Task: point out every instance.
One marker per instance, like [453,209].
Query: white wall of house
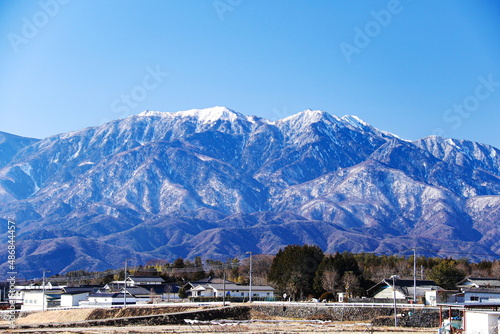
[33,301]
[37,300]
[388,293]
[477,297]
[68,300]
[233,291]
[106,301]
[477,322]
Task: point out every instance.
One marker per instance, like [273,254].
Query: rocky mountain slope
[216,183]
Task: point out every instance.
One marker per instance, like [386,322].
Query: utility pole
[250,293]
[414,275]
[125,285]
[224,287]
[43,290]
[394,277]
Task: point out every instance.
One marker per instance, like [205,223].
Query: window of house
[474,298]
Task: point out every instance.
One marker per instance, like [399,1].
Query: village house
[231,290]
[72,296]
[36,299]
[479,290]
[102,299]
[39,300]
[404,288]
[146,288]
[475,283]
[144,280]
[18,295]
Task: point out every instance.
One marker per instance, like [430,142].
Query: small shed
[481,322]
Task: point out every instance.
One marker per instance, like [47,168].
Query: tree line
[300,272]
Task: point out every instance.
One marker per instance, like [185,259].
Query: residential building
[39,300]
[101,299]
[19,291]
[144,280]
[481,295]
[475,282]
[403,288]
[231,290]
[73,295]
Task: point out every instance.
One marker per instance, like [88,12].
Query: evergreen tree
[294,268]
[446,275]
[179,263]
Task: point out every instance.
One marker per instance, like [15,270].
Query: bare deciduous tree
[330,280]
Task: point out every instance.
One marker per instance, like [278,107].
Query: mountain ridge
[216,183]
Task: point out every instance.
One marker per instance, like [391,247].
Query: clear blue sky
[412,68]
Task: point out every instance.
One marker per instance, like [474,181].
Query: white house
[18,294]
[481,295]
[231,290]
[404,289]
[139,281]
[108,299]
[144,280]
[73,295]
[39,300]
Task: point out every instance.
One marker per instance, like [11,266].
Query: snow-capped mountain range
[216,183]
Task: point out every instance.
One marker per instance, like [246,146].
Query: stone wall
[381,316]
[378,316]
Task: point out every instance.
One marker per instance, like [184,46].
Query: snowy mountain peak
[211,115]
[310,116]
[207,115]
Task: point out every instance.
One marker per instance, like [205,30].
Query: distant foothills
[216,184]
[301,272]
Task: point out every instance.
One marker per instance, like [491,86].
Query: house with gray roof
[231,290]
[403,288]
[476,282]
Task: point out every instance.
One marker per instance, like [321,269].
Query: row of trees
[304,271]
